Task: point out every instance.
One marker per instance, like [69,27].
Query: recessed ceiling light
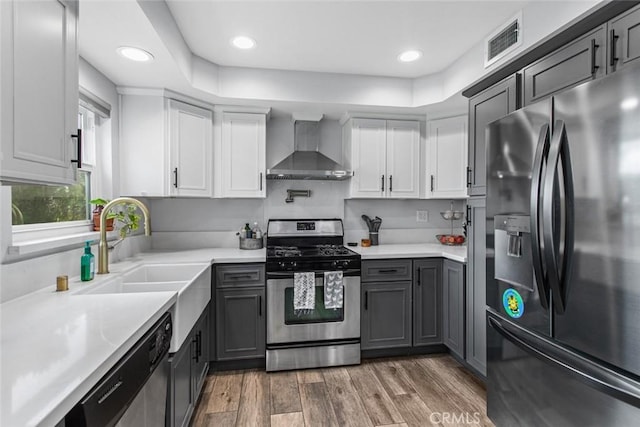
[243,42]
[629,104]
[409,56]
[135,54]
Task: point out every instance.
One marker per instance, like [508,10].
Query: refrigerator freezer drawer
[531,382]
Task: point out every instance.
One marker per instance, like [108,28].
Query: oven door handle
[289,274]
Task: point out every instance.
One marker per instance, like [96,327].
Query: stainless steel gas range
[316,322]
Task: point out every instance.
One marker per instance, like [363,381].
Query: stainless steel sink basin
[192,282]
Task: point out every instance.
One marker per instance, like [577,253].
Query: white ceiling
[354,37]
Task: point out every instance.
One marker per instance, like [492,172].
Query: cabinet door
[240,323]
[624,39]
[403,159]
[484,108]
[447,157]
[39,91]
[243,155]
[181,397]
[427,302]
[386,315]
[476,286]
[578,62]
[368,158]
[453,303]
[200,354]
[191,147]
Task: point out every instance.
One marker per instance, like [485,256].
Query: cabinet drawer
[386,270]
[240,275]
[578,62]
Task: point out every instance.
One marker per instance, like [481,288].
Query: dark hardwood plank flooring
[407,391]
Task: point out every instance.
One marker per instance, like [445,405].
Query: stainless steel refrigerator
[563,258]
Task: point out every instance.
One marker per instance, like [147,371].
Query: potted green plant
[97,211]
[129,218]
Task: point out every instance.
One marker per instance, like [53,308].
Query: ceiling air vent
[504,40]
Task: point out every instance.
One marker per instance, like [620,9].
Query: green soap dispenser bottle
[87,264]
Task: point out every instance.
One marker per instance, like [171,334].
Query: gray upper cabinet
[624,39]
[453,306]
[240,321]
[578,62]
[427,302]
[476,348]
[484,108]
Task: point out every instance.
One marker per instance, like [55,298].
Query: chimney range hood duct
[306,162]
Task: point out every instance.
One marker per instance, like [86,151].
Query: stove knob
[334,264]
[346,263]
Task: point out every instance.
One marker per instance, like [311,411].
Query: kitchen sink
[192,282]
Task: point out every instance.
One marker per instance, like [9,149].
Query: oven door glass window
[319,314]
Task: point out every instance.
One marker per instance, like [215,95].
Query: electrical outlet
[422,216]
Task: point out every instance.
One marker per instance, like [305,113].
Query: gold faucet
[103,247]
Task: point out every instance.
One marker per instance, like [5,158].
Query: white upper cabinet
[166,147]
[403,159]
[446,158]
[39,91]
[243,155]
[384,156]
[191,145]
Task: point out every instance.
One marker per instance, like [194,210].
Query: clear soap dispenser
[87,264]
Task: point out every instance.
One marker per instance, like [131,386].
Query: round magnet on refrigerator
[513,303]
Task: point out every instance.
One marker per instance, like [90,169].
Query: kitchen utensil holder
[373,237]
[250,244]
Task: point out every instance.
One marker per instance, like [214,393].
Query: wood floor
[411,391]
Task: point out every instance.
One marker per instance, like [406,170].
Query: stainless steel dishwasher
[134,391]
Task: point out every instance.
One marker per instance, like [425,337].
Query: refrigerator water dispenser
[513,263]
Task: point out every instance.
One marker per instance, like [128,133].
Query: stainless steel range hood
[306,162]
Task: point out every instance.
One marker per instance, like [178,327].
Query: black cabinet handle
[468,215]
[78,137]
[194,342]
[366,300]
[612,47]
[594,46]
[469,174]
[260,305]
[239,276]
[199,346]
[175,177]
[391,270]
[260,181]
[390,182]
[432,178]
[418,276]
[382,183]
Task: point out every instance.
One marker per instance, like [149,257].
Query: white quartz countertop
[55,346]
[413,250]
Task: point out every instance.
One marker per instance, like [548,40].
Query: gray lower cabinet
[484,108]
[582,60]
[188,370]
[453,306]
[427,302]
[624,39]
[386,315]
[240,316]
[476,339]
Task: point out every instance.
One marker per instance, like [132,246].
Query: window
[38,204]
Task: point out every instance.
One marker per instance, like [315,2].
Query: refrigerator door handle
[558,272]
[542,152]
[584,369]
